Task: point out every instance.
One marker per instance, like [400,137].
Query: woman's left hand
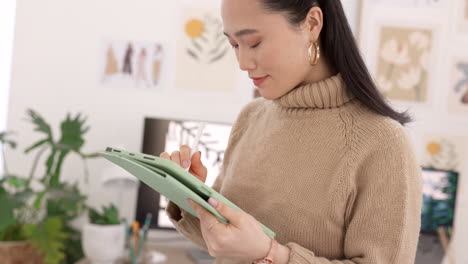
[242,239]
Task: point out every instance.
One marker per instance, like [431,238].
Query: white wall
[432,117]
[352,9]
[7,19]
[55,71]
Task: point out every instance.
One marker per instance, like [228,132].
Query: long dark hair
[339,47]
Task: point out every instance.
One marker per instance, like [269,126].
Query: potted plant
[25,235]
[39,210]
[104,236]
[22,232]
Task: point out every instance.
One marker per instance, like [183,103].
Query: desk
[176,247]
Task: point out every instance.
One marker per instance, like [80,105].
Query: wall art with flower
[458,90]
[205,60]
[403,63]
[444,152]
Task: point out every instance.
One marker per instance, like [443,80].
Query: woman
[127,64]
[321,159]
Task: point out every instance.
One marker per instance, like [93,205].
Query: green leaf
[8,206]
[48,238]
[94,217]
[17,182]
[73,251]
[109,216]
[23,196]
[54,179]
[50,161]
[38,201]
[37,144]
[10,142]
[10,227]
[66,201]
[4,140]
[3,135]
[41,124]
[72,133]
[12,232]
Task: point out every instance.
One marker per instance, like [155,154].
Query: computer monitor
[168,135]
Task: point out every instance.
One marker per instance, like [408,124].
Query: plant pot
[18,252]
[103,244]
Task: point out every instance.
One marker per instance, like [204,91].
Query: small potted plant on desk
[104,236]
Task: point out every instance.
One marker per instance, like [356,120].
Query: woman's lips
[258,81]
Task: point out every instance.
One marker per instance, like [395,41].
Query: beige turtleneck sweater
[336,182]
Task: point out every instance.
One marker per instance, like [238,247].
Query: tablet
[171,181]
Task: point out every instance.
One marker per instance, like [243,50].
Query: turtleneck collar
[328,93]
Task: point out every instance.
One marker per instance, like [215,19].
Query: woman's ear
[314,23]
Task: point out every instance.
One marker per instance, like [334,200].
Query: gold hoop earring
[313,61]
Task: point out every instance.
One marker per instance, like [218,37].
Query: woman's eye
[254,46]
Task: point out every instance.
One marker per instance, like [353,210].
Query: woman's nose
[246,63]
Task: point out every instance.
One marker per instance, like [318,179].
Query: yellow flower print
[433,148]
[194,28]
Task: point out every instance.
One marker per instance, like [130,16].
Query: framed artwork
[401,47]
[132,64]
[458,89]
[402,62]
[437,216]
[444,152]
[204,61]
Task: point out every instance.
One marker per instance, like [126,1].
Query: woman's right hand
[182,158]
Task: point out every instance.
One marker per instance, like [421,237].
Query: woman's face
[267,46]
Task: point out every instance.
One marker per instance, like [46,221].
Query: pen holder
[136,246]
[136,254]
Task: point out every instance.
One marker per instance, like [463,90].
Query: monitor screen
[168,135]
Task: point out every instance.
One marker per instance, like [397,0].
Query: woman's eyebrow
[242,32]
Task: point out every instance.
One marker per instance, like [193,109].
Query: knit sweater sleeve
[383,215]
[189,225]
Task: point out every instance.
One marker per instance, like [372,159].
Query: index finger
[185,156]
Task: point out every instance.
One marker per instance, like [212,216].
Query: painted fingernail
[213,202]
[185,164]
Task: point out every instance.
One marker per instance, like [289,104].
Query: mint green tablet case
[171,181]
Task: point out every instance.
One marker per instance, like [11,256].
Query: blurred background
[76,77]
